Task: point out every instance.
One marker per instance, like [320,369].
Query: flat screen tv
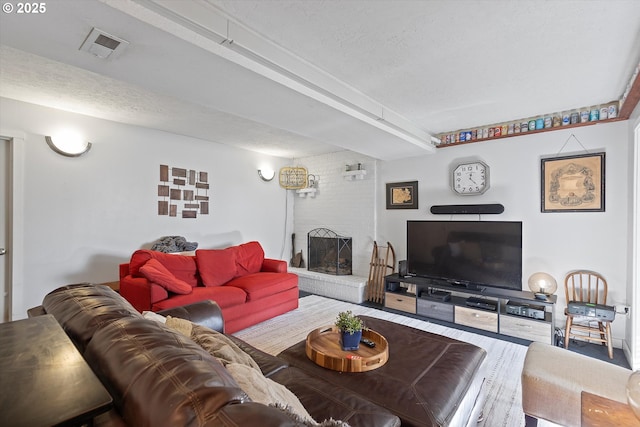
[472,254]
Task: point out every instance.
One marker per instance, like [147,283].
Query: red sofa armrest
[141,293]
[124,270]
[274,266]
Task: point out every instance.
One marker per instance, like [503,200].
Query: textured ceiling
[447,65]
[403,67]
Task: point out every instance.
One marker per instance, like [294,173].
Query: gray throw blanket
[170,244]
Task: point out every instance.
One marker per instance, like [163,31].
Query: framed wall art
[402,195]
[183,192]
[573,183]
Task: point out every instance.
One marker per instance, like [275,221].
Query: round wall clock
[470,178]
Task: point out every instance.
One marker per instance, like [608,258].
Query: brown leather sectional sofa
[158,377]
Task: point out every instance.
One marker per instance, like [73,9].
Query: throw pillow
[266,391]
[150,315]
[298,420]
[215,343]
[155,272]
[249,258]
[183,267]
[216,266]
[180,325]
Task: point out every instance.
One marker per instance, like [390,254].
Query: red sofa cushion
[155,272]
[262,285]
[216,266]
[181,266]
[249,257]
[225,296]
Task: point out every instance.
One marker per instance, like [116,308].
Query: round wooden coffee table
[323,348]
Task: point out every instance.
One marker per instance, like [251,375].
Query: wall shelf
[304,191]
[531,132]
[351,175]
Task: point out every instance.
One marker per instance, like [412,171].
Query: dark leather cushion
[252,414]
[423,382]
[205,313]
[323,400]
[83,308]
[159,377]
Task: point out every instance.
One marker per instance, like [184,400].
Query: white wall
[346,207]
[552,242]
[83,216]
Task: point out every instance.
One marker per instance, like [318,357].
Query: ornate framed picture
[402,195]
[573,183]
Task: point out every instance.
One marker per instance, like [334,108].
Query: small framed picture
[402,195]
[573,183]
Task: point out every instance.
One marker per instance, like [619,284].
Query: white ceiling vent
[103,45]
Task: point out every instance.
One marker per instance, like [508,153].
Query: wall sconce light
[266,174]
[68,145]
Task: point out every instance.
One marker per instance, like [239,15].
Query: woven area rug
[503,363]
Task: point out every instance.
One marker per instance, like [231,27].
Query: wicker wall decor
[293,177]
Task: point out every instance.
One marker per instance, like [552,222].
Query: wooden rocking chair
[380,267]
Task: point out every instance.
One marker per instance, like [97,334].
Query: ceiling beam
[243,46]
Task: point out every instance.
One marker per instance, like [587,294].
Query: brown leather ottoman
[424,381]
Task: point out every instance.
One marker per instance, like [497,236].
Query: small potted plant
[351,327]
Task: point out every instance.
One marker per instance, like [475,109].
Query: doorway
[633,325]
[5,228]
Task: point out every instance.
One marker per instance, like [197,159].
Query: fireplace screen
[328,252]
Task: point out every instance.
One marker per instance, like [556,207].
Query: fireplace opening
[329,252]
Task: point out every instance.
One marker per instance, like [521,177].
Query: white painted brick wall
[344,206]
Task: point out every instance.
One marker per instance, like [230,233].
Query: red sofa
[248,287]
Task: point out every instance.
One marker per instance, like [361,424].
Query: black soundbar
[495,208]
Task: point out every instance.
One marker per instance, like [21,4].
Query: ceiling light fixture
[68,145]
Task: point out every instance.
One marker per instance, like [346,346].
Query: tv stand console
[503,311]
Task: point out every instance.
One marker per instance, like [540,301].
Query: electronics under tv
[436,295]
[481,303]
[525,310]
[466,254]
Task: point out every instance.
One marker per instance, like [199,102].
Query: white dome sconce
[266,174]
[70,147]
